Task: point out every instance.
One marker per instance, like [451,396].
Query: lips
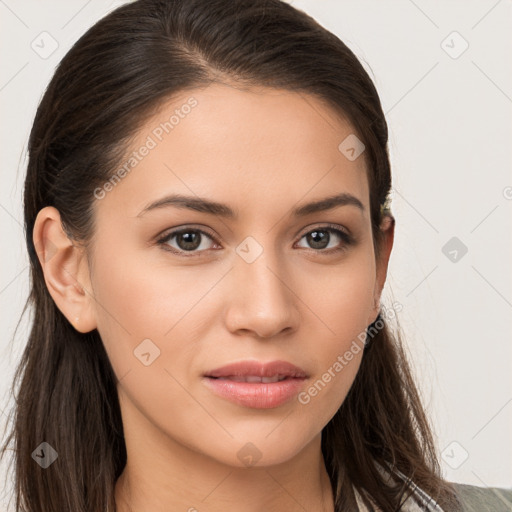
[256,385]
[254,371]
[253,378]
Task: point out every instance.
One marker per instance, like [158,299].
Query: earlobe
[388,228]
[65,270]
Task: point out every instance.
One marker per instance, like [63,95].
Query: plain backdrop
[443,73]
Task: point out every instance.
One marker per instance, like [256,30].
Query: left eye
[321,236]
[189,240]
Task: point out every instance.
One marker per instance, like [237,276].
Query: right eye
[188,240]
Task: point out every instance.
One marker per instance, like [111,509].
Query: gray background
[449,114]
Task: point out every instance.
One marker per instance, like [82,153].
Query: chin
[261,449]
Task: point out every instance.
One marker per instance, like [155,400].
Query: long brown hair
[114,77]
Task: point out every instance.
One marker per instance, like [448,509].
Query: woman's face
[264,284]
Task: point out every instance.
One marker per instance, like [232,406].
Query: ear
[388,229]
[65,269]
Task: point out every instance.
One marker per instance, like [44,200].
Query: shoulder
[484,499]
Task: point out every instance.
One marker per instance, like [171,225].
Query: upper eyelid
[175,231]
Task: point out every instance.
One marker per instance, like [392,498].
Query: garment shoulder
[484,499]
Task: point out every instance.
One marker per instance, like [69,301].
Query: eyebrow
[223,210]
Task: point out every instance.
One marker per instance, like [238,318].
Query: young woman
[209,234]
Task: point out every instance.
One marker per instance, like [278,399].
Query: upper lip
[259,369]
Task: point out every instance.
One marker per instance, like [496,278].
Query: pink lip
[259,369]
[257,395]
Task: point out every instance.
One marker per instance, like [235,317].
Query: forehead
[255,149]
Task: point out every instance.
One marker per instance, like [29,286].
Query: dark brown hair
[115,76]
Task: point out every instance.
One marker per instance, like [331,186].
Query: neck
[177,478]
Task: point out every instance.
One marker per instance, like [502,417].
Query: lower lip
[257,395]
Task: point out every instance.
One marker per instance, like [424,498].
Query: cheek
[134,296]
[342,301]
[137,302]
[131,303]
[342,295]
[142,320]
[337,359]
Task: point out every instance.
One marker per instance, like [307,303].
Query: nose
[261,299]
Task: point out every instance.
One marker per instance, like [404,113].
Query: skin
[262,152]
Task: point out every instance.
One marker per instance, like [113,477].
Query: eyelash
[331,228]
